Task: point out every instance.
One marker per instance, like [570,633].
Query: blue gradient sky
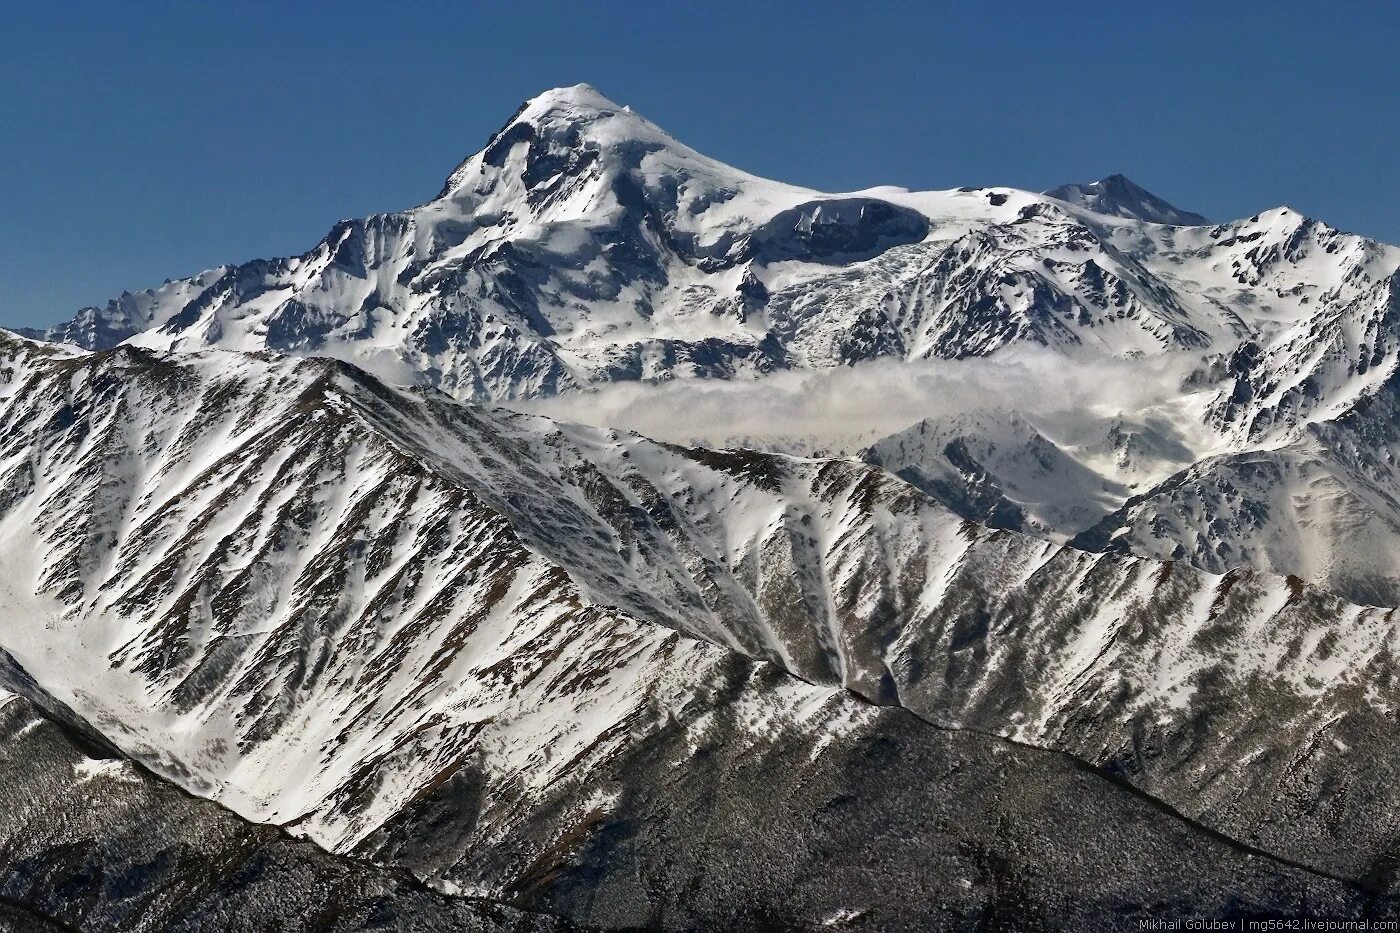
[145,141]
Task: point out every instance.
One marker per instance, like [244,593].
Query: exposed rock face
[1119,196]
[90,841]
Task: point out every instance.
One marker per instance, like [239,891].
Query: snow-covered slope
[999,470]
[90,841]
[259,539]
[1323,507]
[327,602]
[584,246]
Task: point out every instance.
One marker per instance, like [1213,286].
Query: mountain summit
[1120,196]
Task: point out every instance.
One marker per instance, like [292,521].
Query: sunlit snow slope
[586,247]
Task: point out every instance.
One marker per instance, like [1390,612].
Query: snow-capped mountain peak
[575,97]
[500,649]
[578,116]
[1119,196]
[583,245]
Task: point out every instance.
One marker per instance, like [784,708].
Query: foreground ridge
[524,658]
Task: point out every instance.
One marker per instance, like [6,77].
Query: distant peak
[1119,196]
[1119,180]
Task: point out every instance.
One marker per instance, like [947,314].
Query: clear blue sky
[140,141]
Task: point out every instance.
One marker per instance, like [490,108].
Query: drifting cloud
[840,409]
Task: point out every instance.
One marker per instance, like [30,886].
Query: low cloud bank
[843,407]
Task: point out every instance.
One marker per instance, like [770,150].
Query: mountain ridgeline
[280,535]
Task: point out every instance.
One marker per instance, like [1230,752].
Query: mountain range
[1100,630]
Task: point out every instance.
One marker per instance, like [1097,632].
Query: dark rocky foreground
[897,825]
[900,826]
[92,842]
